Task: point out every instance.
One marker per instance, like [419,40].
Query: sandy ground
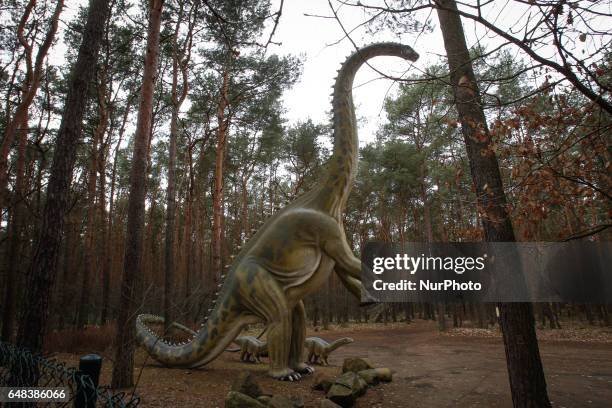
[432,370]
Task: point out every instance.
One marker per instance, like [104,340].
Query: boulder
[245,384]
[346,389]
[281,401]
[236,399]
[322,382]
[298,402]
[325,403]
[352,380]
[376,375]
[356,364]
[341,395]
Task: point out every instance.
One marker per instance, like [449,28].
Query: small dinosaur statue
[251,348]
[291,255]
[319,349]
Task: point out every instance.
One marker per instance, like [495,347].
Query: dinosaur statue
[319,349]
[291,256]
[251,348]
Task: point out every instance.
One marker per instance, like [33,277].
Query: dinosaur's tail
[222,326]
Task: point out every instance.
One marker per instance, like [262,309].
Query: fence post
[89,365]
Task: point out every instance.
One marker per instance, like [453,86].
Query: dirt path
[432,370]
[440,371]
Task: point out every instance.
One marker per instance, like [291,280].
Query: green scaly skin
[319,349]
[251,348]
[290,257]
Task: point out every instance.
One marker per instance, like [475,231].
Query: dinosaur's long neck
[336,344]
[342,167]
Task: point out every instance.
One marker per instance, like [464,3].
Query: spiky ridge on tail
[210,341]
[222,324]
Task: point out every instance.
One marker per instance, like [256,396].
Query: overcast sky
[313,38]
[316,41]
[310,39]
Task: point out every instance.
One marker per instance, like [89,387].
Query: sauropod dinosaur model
[251,348]
[291,255]
[319,349]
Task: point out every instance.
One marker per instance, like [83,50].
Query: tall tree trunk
[178,65]
[15,235]
[217,238]
[169,264]
[32,82]
[108,252]
[187,247]
[244,216]
[102,217]
[525,371]
[123,369]
[440,307]
[43,270]
[90,238]
[72,233]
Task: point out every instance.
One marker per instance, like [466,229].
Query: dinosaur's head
[408,53]
[346,340]
[393,49]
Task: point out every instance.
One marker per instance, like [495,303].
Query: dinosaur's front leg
[311,358]
[348,268]
[298,335]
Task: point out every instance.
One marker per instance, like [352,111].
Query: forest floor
[460,368]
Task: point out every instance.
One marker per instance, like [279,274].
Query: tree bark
[31,85]
[108,250]
[90,238]
[525,370]
[43,269]
[217,239]
[169,264]
[15,236]
[123,369]
[178,65]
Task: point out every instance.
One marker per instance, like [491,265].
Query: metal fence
[21,368]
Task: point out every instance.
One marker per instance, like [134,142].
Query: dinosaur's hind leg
[279,346]
[298,335]
[264,297]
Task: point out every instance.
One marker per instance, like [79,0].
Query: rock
[325,403]
[281,401]
[346,389]
[245,384]
[322,382]
[298,402]
[357,384]
[264,399]
[356,364]
[236,399]
[341,395]
[376,375]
